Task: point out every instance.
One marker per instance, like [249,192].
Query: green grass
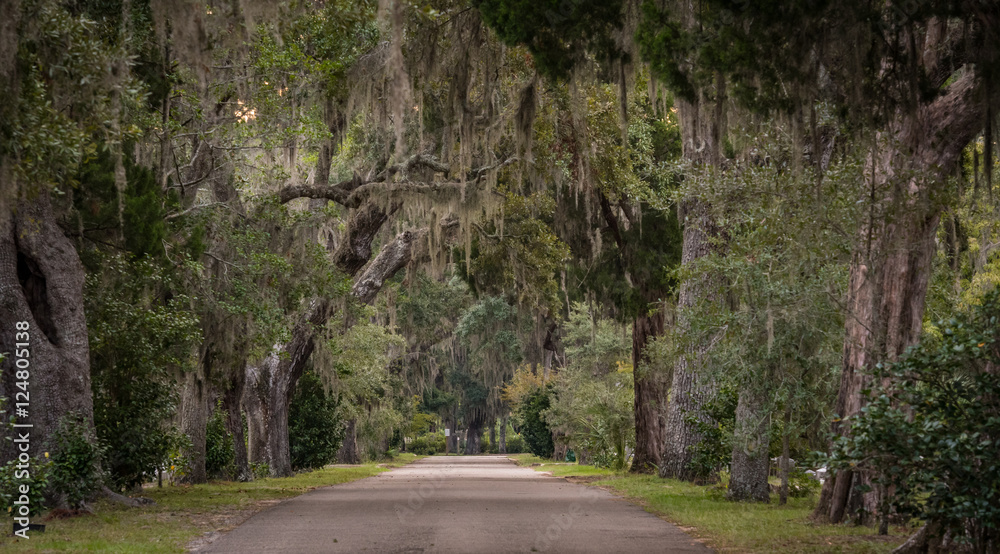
[728,526]
[181,513]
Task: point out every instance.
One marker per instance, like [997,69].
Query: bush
[515,444]
[36,479]
[715,423]
[75,461]
[801,484]
[930,436]
[428,444]
[315,430]
[537,435]
[219,454]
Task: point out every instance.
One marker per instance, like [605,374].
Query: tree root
[126,500]
[927,540]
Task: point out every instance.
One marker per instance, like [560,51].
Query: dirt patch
[585,479]
[222,521]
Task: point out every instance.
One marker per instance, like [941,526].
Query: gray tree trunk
[194,411]
[232,400]
[348,453]
[41,287]
[750,464]
[702,123]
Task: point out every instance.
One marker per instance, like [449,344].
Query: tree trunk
[503,435]
[749,470]
[194,423]
[348,453]
[42,322]
[890,268]
[231,402]
[689,389]
[493,435]
[650,395]
[701,131]
[472,437]
[256,409]
[785,435]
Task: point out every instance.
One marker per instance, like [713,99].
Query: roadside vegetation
[703,512]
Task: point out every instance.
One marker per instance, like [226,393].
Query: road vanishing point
[457,504]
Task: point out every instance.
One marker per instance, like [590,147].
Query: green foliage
[522,257]
[428,444]
[592,404]
[534,429]
[75,472]
[139,341]
[35,476]
[801,484]
[315,429]
[558,34]
[715,423]
[219,453]
[516,444]
[929,434]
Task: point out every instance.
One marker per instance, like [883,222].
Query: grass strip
[703,512]
[182,513]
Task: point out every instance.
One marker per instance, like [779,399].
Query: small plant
[11,479]
[260,470]
[75,466]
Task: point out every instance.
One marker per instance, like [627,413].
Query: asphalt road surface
[457,504]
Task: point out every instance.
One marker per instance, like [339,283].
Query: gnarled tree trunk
[41,321]
[890,268]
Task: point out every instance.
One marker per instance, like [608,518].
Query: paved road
[457,504]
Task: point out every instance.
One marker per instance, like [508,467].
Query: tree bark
[502,448]
[689,389]
[650,395]
[232,399]
[194,423]
[784,469]
[41,285]
[472,438]
[348,453]
[702,122]
[891,266]
[254,402]
[750,464]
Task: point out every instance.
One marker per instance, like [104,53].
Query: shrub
[715,424]
[930,438]
[428,444]
[515,444]
[219,454]
[537,435]
[315,430]
[36,479]
[801,484]
[75,461]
